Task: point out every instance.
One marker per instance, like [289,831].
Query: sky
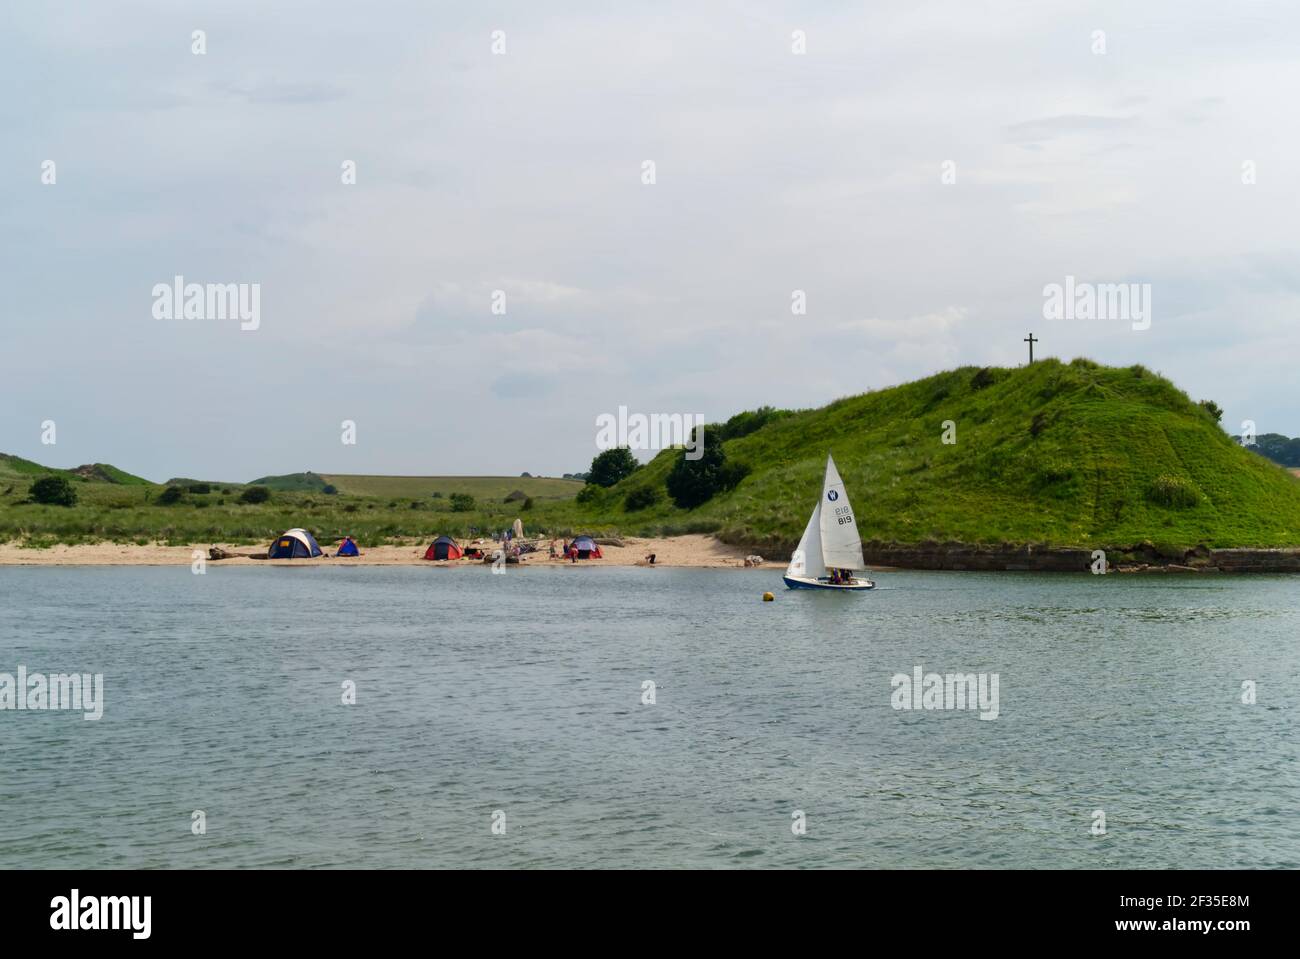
[921,172]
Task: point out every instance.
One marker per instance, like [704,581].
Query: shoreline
[699,551]
[692,551]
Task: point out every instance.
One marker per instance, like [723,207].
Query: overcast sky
[522,172]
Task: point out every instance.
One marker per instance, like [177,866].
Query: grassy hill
[1060,454]
[1065,454]
[300,482]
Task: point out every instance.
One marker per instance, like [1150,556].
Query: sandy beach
[696,551]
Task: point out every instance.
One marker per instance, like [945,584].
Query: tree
[694,482]
[1213,409]
[255,494]
[53,491]
[611,466]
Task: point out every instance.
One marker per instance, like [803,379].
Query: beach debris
[753,560]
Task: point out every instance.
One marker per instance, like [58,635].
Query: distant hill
[1282,450]
[480,487]
[91,472]
[1066,454]
[293,482]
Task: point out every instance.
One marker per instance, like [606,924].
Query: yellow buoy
[768,597]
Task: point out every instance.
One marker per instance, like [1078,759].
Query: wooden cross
[1031,340]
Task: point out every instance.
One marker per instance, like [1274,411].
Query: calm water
[522,693]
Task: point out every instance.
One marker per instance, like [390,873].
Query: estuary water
[505,721]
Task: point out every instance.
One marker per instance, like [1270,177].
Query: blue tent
[587,548]
[348,547]
[294,544]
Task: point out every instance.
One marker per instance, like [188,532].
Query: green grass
[480,487]
[1060,454]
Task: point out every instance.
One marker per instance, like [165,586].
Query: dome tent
[348,547]
[586,547]
[294,544]
[444,547]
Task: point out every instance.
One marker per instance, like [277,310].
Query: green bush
[528,503]
[255,494]
[692,483]
[53,491]
[170,496]
[462,503]
[642,498]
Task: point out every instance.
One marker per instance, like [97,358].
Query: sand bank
[680,551]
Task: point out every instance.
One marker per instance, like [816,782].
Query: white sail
[841,545]
[809,551]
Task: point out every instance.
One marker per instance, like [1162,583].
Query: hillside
[15,467]
[1062,454]
[1067,455]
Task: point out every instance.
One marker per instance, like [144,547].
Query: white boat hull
[808,582]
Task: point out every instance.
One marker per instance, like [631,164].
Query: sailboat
[830,541]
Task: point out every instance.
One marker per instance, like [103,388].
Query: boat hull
[806,582]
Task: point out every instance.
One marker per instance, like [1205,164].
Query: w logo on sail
[833,495]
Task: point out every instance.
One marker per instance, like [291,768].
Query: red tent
[444,547]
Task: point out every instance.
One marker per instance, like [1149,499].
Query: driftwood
[610,541]
[216,552]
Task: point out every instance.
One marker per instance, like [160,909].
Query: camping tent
[348,547]
[444,547]
[586,547]
[294,544]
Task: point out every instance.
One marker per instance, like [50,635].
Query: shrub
[53,491]
[462,503]
[611,466]
[642,498]
[171,495]
[329,489]
[515,496]
[1039,424]
[588,494]
[255,494]
[1212,408]
[200,489]
[528,503]
[692,483]
[982,378]
[742,424]
[1174,492]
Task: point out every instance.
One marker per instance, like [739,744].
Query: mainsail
[840,544]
